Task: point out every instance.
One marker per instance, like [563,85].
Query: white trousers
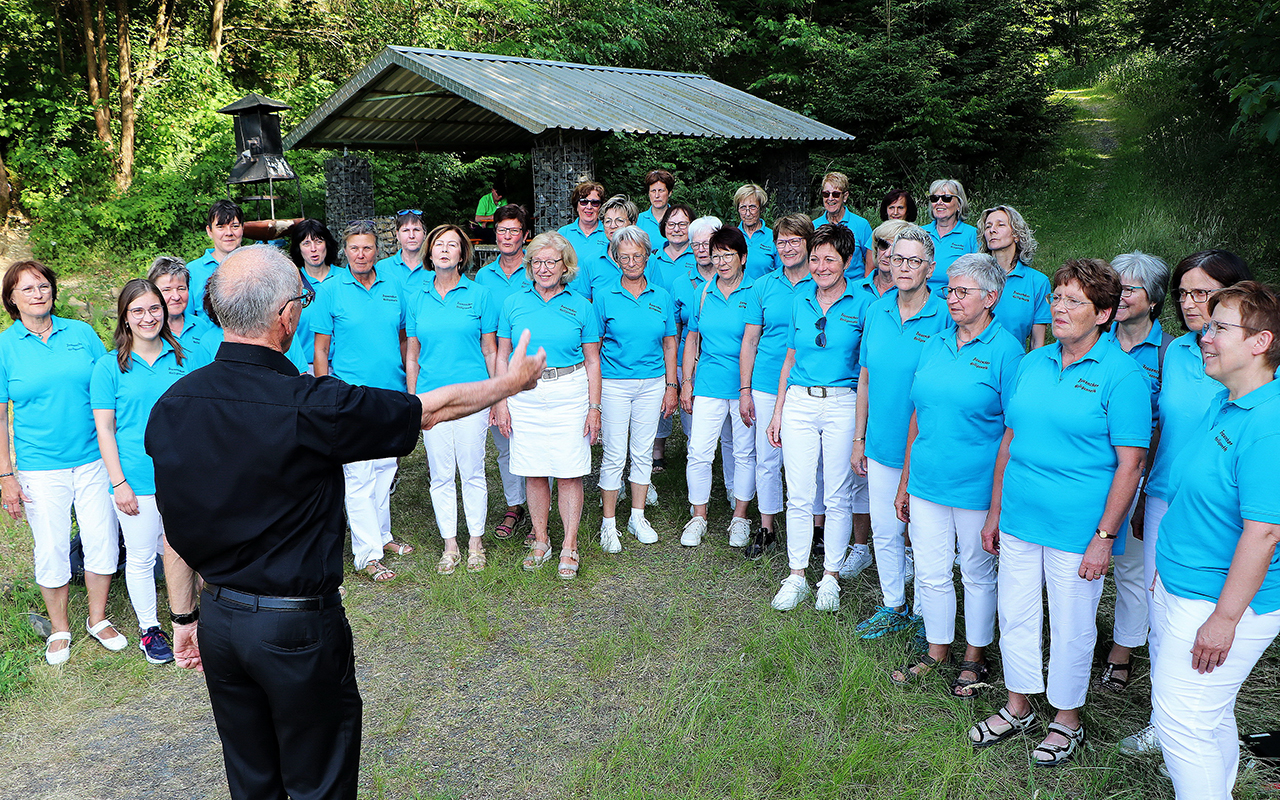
[629,407]
[368,501]
[709,417]
[1027,573]
[667,424]
[53,492]
[887,532]
[1194,714]
[1132,594]
[143,540]
[768,457]
[512,485]
[818,430]
[1156,509]
[456,447]
[937,533]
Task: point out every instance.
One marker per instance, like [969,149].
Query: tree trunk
[155,51]
[215,30]
[4,193]
[104,79]
[101,113]
[57,29]
[128,113]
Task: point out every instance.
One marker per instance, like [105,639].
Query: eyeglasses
[677,226]
[912,262]
[941,198]
[403,211]
[632,260]
[700,245]
[748,207]
[303,299]
[882,244]
[1197,295]
[39,288]
[961,292]
[156,311]
[821,324]
[826,195]
[1070,303]
[544,264]
[1216,328]
[508,231]
[723,258]
[1127,291]
[790,243]
[592,203]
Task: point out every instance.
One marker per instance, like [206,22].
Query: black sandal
[1113,683]
[923,668]
[978,668]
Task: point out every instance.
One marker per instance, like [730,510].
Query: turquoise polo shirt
[762,253]
[131,395]
[586,247]
[448,330]
[1186,394]
[890,350]
[199,338]
[719,323]
[305,336]
[946,249]
[394,268]
[365,326]
[856,267]
[561,325]
[837,363]
[1147,354]
[1024,301]
[664,270]
[200,269]
[648,223]
[1235,451]
[499,285]
[686,293]
[604,274]
[632,329]
[1066,425]
[865,287]
[48,383]
[959,397]
[769,305]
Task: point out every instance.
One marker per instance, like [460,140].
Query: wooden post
[560,160]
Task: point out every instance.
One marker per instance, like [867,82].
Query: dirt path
[15,245]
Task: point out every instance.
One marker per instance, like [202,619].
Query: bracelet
[744,389]
[594,407]
[10,474]
[861,439]
[185,619]
[671,385]
[122,482]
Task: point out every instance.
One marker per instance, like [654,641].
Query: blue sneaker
[885,620]
[155,645]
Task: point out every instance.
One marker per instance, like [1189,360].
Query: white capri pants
[143,540]
[53,492]
[546,428]
[631,406]
[512,485]
[666,425]
[1132,593]
[818,430]
[1156,509]
[457,447]
[1025,571]
[937,532]
[368,500]
[887,532]
[709,417]
[1194,714]
[768,457]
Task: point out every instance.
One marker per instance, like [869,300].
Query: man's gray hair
[248,304]
[983,268]
[628,235]
[168,265]
[914,233]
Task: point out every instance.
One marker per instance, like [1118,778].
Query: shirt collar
[350,277]
[932,305]
[1257,397]
[1095,353]
[256,355]
[56,324]
[430,287]
[746,284]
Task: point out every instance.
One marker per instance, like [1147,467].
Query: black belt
[255,602]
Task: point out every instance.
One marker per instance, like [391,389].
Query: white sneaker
[739,532]
[856,560]
[642,530]
[794,590]
[651,497]
[693,531]
[909,574]
[828,594]
[1144,741]
[609,541]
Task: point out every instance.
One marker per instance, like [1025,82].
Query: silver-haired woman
[952,236]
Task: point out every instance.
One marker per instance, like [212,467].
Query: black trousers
[283,689]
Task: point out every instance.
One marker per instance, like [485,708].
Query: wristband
[10,474]
[744,389]
[185,619]
[122,482]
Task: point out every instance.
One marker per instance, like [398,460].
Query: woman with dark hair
[148,359]
[585,234]
[46,363]
[313,248]
[1217,598]
[658,184]
[1186,392]
[1077,426]
[898,204]
[673,260]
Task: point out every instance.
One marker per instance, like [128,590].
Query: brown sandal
[510,521]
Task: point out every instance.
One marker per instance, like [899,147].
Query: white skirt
[546,429]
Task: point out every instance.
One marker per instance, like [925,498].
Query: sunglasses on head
[403,211]
[941,198]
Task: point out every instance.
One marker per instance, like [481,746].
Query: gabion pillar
[560,160]
[786,177]
[348,192]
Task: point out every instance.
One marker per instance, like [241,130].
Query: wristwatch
[1104,535]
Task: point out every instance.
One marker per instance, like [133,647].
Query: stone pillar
[786,178]
[560,160]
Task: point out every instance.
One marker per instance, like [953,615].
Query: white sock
[637,514]
[608,521]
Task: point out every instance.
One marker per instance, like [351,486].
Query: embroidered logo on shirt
[1026,298]
[656,308]
[921,336]
[1091,388]
[464,306]
[391,298]
[569,310]
[979,363]
[1223,440]
[849,318]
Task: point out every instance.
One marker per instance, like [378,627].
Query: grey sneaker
[693,531]
[795,589]
[909,573]
[856,560]
[828,594]
[1144,741]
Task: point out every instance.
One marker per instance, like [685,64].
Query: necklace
[46,330]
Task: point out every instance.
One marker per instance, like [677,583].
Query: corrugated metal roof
[409,97]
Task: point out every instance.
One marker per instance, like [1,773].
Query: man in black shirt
[248,457]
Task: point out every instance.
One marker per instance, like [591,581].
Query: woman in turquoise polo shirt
[553,425]
[1077,426]
[952,236]
[126,383]
[1185,394]
[46,363]
[585,234]
[451,329]
[835,194]
[638,371]
[315,252]
[617,213]
[762,257]
[1217,597]
[709,388]
[669,262]
[658,185]
[1023,309]
[896,329]
[959,392]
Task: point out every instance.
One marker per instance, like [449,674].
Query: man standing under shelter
[249,481]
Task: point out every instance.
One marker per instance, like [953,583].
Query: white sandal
[115,644]
[57,657]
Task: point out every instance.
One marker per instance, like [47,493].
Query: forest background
[112,147]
